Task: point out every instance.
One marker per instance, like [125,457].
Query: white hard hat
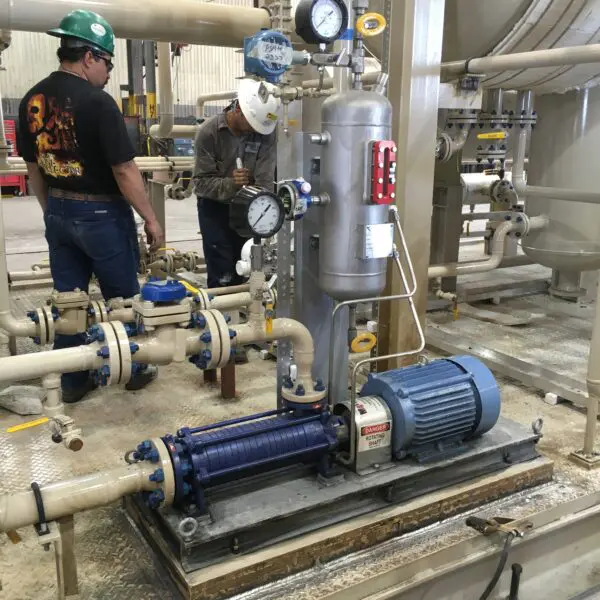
[260,111]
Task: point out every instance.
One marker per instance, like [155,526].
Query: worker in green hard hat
[80,164]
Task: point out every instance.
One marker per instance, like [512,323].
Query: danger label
[370,429]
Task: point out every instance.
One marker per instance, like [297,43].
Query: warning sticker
[369,429]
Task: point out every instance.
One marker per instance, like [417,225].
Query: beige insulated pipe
[190,21]
[39,364]
[497,251]
[204,98]
[553,57]
[82,493]
[19,327]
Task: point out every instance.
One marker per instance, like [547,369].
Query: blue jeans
[86,238]
[222,246]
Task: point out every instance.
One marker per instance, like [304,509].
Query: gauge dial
[326,18]
[321,21]
[265,215]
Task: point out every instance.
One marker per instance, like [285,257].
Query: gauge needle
[261,216]
[324,19]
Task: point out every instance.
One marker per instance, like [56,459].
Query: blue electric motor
[436,406]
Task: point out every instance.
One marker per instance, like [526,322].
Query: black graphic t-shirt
[75,133]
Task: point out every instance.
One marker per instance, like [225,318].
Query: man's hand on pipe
[242,177]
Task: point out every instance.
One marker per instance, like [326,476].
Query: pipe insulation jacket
[75,495]
[189,21]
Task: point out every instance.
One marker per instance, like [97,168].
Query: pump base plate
[257,512]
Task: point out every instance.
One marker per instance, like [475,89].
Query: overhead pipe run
[188,21]
[553,57]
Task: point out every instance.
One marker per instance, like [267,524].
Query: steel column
[416,45]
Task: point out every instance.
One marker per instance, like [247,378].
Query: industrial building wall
[199,70]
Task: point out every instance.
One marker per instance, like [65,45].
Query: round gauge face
[264,216]
[327,18]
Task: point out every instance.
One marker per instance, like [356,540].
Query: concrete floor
[113,562]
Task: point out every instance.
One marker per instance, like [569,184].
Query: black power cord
[501,564]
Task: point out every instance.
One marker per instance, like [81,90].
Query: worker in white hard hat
[233,149]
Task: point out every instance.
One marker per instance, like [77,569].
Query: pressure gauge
[321,21]
[255,212]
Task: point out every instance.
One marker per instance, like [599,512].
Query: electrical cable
[501,564]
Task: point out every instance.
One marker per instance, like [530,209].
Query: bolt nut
[300,391]
[207,354]
[158,476]
[206,337]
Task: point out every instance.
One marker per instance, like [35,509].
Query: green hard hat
[89,27]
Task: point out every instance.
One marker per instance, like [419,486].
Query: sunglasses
[107,61]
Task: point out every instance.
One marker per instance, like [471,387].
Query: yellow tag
[272,116]
[492,135]
[27,425]
[189,287]
[371,24]
[269,319]
[455,311]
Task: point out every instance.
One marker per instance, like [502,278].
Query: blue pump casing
[438,405]
[168,290]
[214,454]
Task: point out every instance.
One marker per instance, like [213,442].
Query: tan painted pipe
[166,106]
[204,98]
[74,495]
[38,364]
[553,57]
[18,327]
[125,314]
[497,250]
[188,21]
[229,301]
[296,332]
[28,275]
[232,289]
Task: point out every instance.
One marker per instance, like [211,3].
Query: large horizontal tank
[351,121]
[564,153]
[475,28]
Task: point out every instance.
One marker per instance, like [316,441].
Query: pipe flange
[50,324]
[110,374]
[124,350]
[224,338]
[503,191]
[202,300]
[164,462]
[190,261]
[462,118]
[211,355]
[525,120]
[42,327]
[299,395]
[98,312]
[443,147]
[494,120]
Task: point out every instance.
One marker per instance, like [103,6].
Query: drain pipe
[521,225]
[166,108]
[593,387]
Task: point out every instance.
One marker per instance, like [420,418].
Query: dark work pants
[88,238]
[222,246]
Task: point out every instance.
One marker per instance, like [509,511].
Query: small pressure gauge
[321,21]
[255,212]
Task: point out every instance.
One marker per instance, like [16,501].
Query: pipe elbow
[17,327]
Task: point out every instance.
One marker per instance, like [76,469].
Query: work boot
[70,396]
[141,379]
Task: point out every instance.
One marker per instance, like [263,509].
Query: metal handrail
[408,294]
